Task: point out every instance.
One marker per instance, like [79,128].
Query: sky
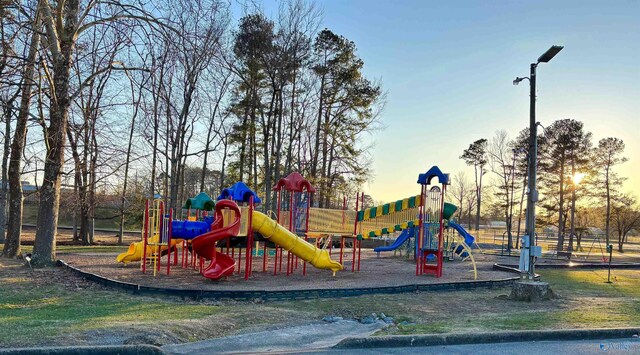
[448,68]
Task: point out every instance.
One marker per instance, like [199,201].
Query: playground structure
[201,239]
[304,232]
[457,241]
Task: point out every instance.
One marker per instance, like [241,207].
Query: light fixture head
[549,54]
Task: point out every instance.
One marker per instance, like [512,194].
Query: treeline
[577,181]
[166,98]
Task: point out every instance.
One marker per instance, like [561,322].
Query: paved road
[614,346]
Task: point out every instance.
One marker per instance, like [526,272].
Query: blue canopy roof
[239,192]
[425,179]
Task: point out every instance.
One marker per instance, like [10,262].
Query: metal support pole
[532,197]
[610,249]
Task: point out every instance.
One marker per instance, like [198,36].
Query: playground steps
[434,269]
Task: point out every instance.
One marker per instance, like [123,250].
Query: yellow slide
[135,250]
[278,234]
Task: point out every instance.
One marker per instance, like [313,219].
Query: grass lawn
[51,306]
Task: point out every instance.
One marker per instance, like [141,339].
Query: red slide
[205,245]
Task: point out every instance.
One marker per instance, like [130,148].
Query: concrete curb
[277,295]
[87,350]
[394,341]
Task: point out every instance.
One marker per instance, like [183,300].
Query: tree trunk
[253,145]
[479,197]
[315,153]
[560,245]
[325,155]
[12,241]
[620,242]
[206,152]
[224,162]
[266,133]
[45,241]
[573,203]
[288,163]
[608,215]
[76,200]
[156,128]
[7,112]
[243,144]
[77,185]
[126,168]
[278,146]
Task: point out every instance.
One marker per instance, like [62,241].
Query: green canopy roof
[201,202]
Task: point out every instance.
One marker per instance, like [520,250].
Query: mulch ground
[375,271]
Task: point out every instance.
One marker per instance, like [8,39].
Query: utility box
[524,254]
[536,251]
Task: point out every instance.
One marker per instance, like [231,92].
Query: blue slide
[468,238]
[398,242]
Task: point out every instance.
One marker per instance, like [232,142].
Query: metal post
[610,249]
[532,197]
[169,235]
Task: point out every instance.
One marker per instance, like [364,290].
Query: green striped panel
[412,202]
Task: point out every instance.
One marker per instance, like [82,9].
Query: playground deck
[374,272]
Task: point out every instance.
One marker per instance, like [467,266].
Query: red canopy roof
[295,183]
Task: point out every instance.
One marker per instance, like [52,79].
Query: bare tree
[9,93]
[605,157]
[476,156]
[65,23]
[459,191]
[626,217]
[136,109]
[217,117]
[502,160]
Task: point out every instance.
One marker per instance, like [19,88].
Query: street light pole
[532,196]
